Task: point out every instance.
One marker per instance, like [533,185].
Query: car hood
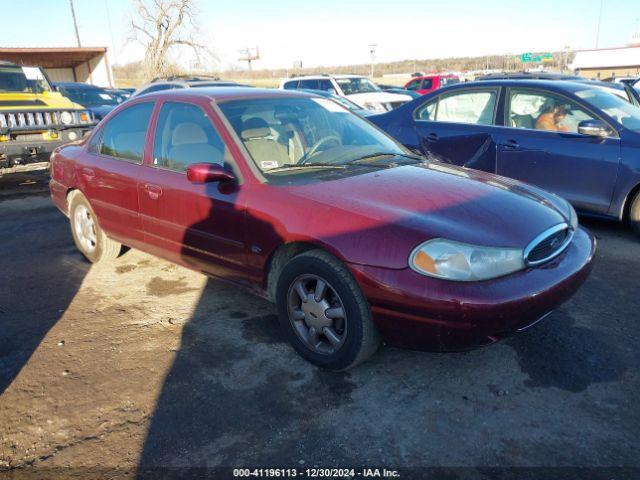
[377,97]
[100,111]
[378,218]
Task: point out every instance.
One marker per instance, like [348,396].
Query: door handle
[154,191]
[88,172]
[511,144]
[432,137]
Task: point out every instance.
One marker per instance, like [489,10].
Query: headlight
[66,118]
[375,107]
[451,260]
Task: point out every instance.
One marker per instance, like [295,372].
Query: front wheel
[324,313]
[89,238]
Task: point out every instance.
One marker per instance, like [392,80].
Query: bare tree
[162,25]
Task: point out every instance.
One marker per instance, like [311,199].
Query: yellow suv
[35,119]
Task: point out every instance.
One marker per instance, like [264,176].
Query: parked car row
[442,221]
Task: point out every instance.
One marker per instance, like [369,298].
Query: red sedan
[429,83]
[353,237]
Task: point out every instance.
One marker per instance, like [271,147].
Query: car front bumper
[18,155]
[422,313]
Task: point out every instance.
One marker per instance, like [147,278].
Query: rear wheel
[634,214]
[324,313]
[89,238]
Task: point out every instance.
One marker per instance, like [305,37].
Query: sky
[336,32]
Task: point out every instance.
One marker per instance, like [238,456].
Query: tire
[634,214]
[346,340]
[92,242]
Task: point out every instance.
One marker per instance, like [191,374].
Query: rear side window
[326,85]
[427,84]
[185,135]
[308,84]
[124,136]
[473,107]
[292,85]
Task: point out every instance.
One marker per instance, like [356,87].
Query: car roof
[566,85]
[78,85]
[229,93]
[323,75]
[434,75]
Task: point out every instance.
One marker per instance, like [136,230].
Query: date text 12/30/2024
[315,473]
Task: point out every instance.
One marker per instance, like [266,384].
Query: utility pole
[75,23]
[599,20]
[372,52]
[248,55]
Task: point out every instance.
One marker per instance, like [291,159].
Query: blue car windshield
[620,110]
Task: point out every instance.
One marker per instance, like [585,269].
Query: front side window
[622,111]
[282,134]
[475,107]
[124,136]
[414,85]
[544,111]
[292,85]
[185,135]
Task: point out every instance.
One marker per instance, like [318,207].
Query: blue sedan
[579,140]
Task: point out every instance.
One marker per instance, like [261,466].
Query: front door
[109,175]
[200,225]
[542,146]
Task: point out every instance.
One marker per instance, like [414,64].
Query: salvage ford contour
[354,238]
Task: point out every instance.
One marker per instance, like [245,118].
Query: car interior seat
[264,149]
[190,144]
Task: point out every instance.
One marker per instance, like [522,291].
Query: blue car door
[457,127]
[540,144]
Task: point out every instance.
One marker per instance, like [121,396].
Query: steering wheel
[316,146]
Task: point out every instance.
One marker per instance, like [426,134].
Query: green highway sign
[535,57]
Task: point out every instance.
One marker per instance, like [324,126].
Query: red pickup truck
[429,83]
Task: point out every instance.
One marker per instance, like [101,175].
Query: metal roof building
[66,64]
[608,62]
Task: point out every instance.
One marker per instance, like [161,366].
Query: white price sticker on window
[329,105]
[32,73]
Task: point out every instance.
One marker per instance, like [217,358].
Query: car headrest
[187,134]
[255,128]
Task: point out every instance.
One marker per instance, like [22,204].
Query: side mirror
[594,128]
[208,172]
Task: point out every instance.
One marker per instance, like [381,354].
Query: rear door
[457,127]
[109,174]
[541,145]
[197,224]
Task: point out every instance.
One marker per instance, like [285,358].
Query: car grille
[548,245]
[30,120]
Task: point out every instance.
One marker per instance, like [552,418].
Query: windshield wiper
[373,156]
[304,166]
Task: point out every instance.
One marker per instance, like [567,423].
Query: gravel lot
[141,364]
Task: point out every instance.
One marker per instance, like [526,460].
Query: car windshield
[620,110]
[89,97]
[357,85]
[295,133]
[23,80]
